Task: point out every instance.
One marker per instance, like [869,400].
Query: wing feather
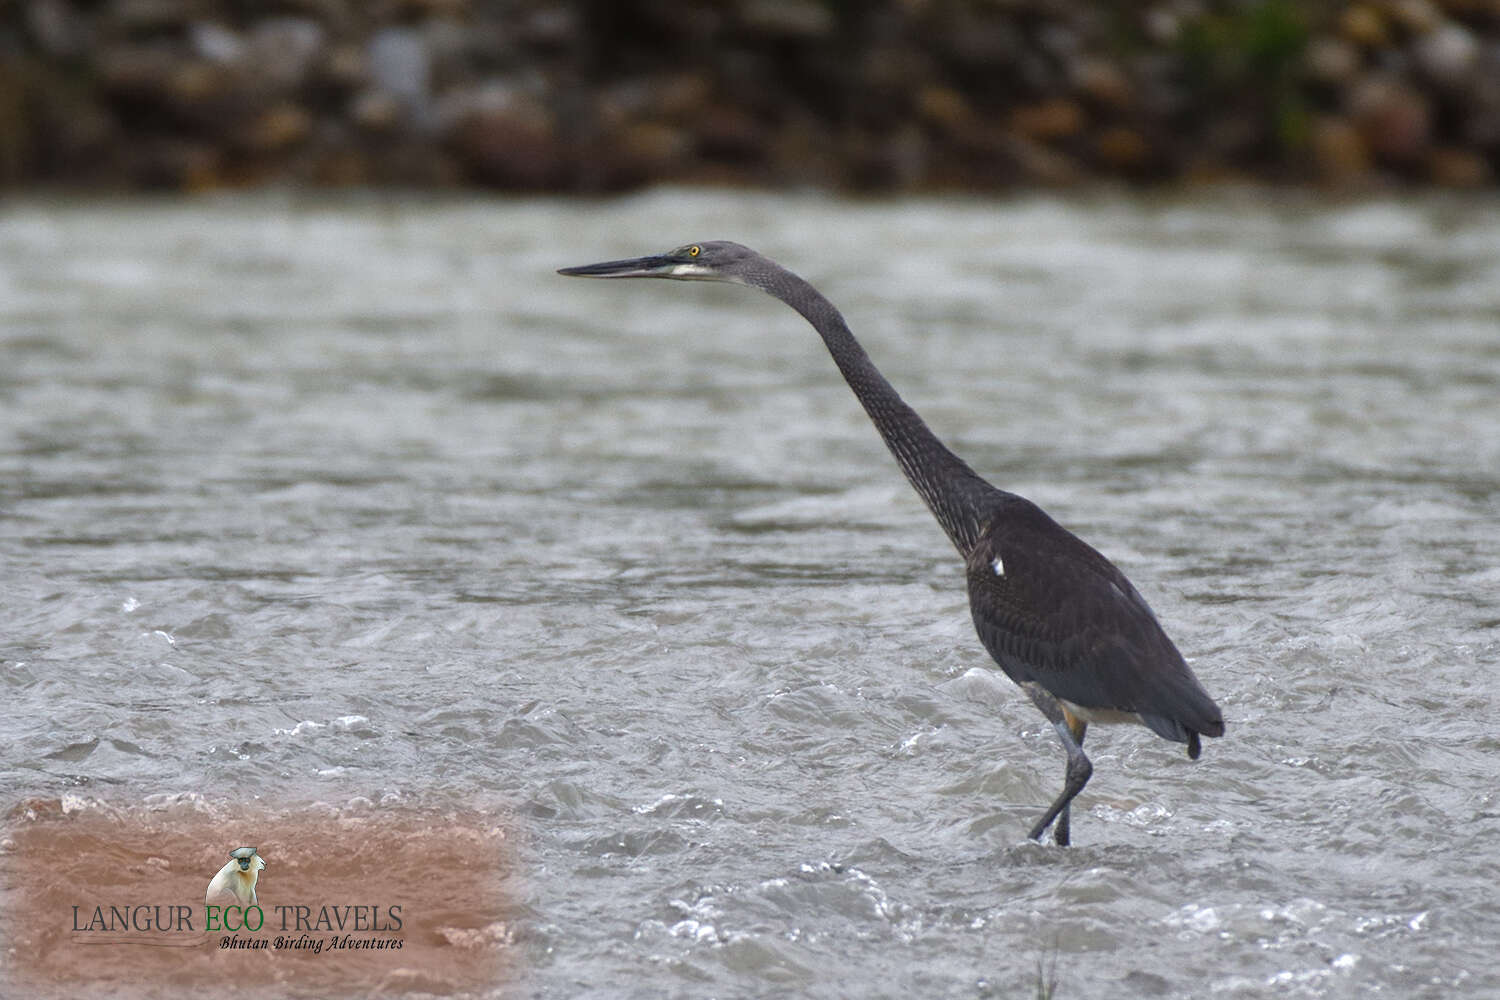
[1051,610]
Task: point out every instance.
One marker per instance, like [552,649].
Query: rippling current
[346,526]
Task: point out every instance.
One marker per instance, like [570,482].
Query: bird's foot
[1059,832]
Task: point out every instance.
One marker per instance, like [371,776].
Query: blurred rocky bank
[883,95]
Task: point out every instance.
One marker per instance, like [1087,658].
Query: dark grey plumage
[1060,619]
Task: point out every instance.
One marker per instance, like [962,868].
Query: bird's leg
[1079,768]
[1077,727]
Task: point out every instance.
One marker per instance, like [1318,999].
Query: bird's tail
[1193,714]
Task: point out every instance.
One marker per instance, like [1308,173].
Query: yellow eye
[694,251]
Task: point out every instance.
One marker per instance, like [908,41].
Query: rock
[647,149]
[801,19]
[872,160]
[1393,119]
[1458,168]
[192,84]
[907,155]
[943,107]
[551,26]
[282,51]
[56,28]
[510,145]
[1333,61]
[983,43]
[276,129]
[341,168]
[1447,55]
[421,10]
[1123,149]
[1230,139]
[888,72]
[459,104]
[559,93]
[1481,126]
[344,67]
[1162,25]
[134,73]
[729,133]
[216,43]
[682,95]
[1338,151]
[1415,16]
[45,121]
[174,164]
[1057,118]
[140,18]
[1102,81]
[800,153]
[450,49]
[1038,164]
[375,111]
[1363,25]
[1204,170]
[616,105]
[400,65]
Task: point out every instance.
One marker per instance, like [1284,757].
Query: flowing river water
[590,624]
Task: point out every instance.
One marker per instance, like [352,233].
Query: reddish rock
[682,95]
[1458,168]
[1416,17]
[277,128]
[943,107]
[1393,119]
[1339,154]
[1364,25]
[1038,164]
[195,83]
[375,111]
[1332,60]
[1122,149]
[510,147]
[1057,118]
[648,148]
[135,72]
[726,132]
[175,164]
[1102,81]
[344,67]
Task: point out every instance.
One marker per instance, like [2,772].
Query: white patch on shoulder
[998,566]
[690,271]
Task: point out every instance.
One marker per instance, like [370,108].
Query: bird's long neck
[954,493]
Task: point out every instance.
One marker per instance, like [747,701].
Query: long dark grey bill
[640,267]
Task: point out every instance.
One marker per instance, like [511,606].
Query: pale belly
[1100,715]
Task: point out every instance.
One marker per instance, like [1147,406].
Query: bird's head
[715,260]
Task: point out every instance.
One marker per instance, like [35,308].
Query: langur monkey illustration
[235,882]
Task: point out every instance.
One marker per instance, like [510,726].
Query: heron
[1059,618]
